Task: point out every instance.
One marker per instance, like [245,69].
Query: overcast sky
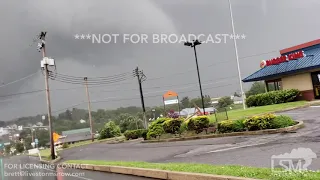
[268,26]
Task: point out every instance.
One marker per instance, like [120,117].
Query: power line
[75,78]
[257,54]
[29,92]
[19,79]
[90,83]
[111,99]
[154,87]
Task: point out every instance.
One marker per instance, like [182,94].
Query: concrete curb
[152,173]
[246,133]
[51,162]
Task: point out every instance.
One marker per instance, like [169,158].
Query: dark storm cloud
[269,25]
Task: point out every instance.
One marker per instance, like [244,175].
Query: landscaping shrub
[190,124]
[65,145]
[183,128]
[144,134]
[109,130]
[239,125]
[228,126]
[259,122]
[155,131]
[273,97]
[159,121]
[267,121]
[197,124]
[172,126]
[135,134]
[281,122]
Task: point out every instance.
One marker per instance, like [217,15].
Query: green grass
[229,170]
[240,113]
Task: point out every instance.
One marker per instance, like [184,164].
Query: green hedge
[159,121]
[231,126]
[135,134]
[272,97]
[172,126]
[282,121]
[197,124]
[259,122]
[267,121]
[155,131]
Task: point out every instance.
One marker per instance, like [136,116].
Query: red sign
[281,59]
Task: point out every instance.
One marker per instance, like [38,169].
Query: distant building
[3,131]
[39,124]
[82,121]
[14,126]
[236,100]
[214,101]
[191,111]
[76,135]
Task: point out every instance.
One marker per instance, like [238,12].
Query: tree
[27,143]
[43,136]
[256,88]
[128,122]
[237,94]
[19,147]
[7,149]
[110,130]
[224,101]
[185,102]
[198,101]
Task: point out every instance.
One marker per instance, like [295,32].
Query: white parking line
[237,147]
[315,106]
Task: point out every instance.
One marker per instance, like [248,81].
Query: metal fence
[221,114]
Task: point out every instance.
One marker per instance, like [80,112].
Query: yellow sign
[55,137]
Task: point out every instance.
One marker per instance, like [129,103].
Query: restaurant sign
[281,59]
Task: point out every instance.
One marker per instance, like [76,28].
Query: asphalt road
[245,150]
[29,168]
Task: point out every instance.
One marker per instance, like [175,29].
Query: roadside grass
[228,170]
[241,113]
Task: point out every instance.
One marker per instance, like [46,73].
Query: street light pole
[194,44]
[237,57]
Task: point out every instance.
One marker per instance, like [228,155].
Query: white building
[3,131]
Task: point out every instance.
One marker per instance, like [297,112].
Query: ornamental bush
[259,122]
[272,97]
[135,134]
[110,130]
[159,121]
[198,124]
[228,126]
[172,126]
[155,131]
[267,121]
[281,122]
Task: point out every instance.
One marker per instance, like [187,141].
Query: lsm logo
[298,160]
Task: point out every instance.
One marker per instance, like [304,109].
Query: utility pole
[41,47]
[89,107]
[141,77]
[32,134]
